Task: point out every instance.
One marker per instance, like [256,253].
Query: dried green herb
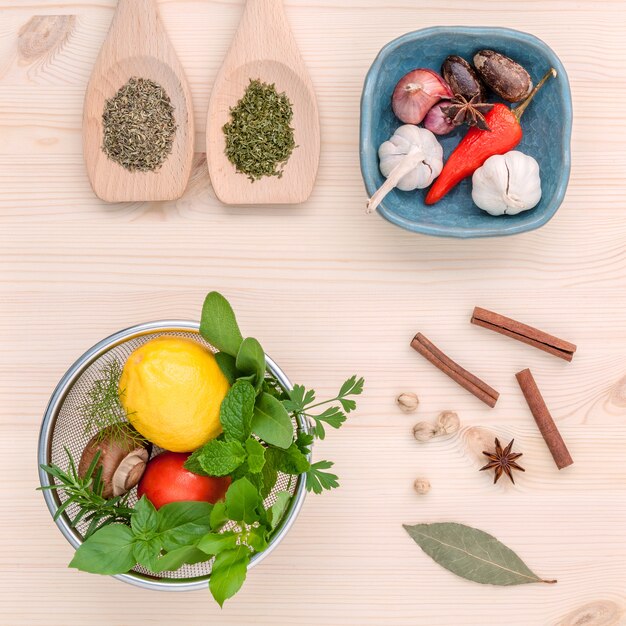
[259,137]
[139,126]
[473,554]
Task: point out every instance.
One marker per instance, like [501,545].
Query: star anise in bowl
[470,112]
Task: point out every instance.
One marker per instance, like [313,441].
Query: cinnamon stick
[524,333]
[461,376]
[544,420]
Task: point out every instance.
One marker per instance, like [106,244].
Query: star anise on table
[503,461]
[470,112]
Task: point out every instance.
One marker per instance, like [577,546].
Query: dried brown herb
[503,461]
[259,137]
[139,126]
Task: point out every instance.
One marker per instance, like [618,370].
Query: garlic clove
[424,431]
[408,402]
[421,486]
[447,423]
[416,92]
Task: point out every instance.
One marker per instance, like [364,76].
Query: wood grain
[330,292]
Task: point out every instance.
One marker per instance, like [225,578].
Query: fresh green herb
[158,540]
[259,137]
[86,494]
[472,554]
[258,442]
[139,126]
[317,480]
[216,458]
[103,412]
[302,401]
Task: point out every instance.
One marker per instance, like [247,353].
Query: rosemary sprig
[103,408]
[86,493]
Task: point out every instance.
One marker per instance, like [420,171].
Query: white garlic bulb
[507,184]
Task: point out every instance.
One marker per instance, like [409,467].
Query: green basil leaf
[256,455]
[251,359]
[218,324]
[214,543]
[216,458]
[242,500]
[229,573]
[218,515]
[271,422]
[227,365]
[144,518]
[277,510]
[257,538]
[183,523]
[473,554]
[237,410]
[108,551]
[147,551]
[187,555]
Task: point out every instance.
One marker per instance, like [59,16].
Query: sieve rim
[45,449]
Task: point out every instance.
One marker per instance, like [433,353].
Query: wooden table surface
[331,292]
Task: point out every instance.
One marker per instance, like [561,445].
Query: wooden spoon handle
[134,28]
[264,30]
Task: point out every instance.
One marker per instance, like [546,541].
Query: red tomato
[166,480]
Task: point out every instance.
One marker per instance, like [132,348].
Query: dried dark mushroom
[122,457]
[503,75]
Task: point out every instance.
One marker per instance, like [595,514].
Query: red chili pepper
[478,145]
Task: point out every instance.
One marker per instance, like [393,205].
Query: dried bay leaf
[472,554]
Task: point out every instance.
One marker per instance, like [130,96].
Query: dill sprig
[103,408]
[86,494]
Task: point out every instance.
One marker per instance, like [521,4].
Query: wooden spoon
[137,46]
[264,48]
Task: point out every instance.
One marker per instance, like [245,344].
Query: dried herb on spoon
[259,136]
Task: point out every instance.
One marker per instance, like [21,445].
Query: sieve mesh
[68,431]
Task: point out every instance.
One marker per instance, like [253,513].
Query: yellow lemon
[172,389]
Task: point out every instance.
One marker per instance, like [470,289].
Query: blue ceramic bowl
[547,125]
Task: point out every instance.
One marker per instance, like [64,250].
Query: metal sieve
[63,427]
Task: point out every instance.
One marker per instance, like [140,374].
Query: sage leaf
[472,554]
[218,324]
[108,551]
[237,410]
[251,359]
[271,422]
[228,366]
[187,555]
[229,573]
[242,500]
